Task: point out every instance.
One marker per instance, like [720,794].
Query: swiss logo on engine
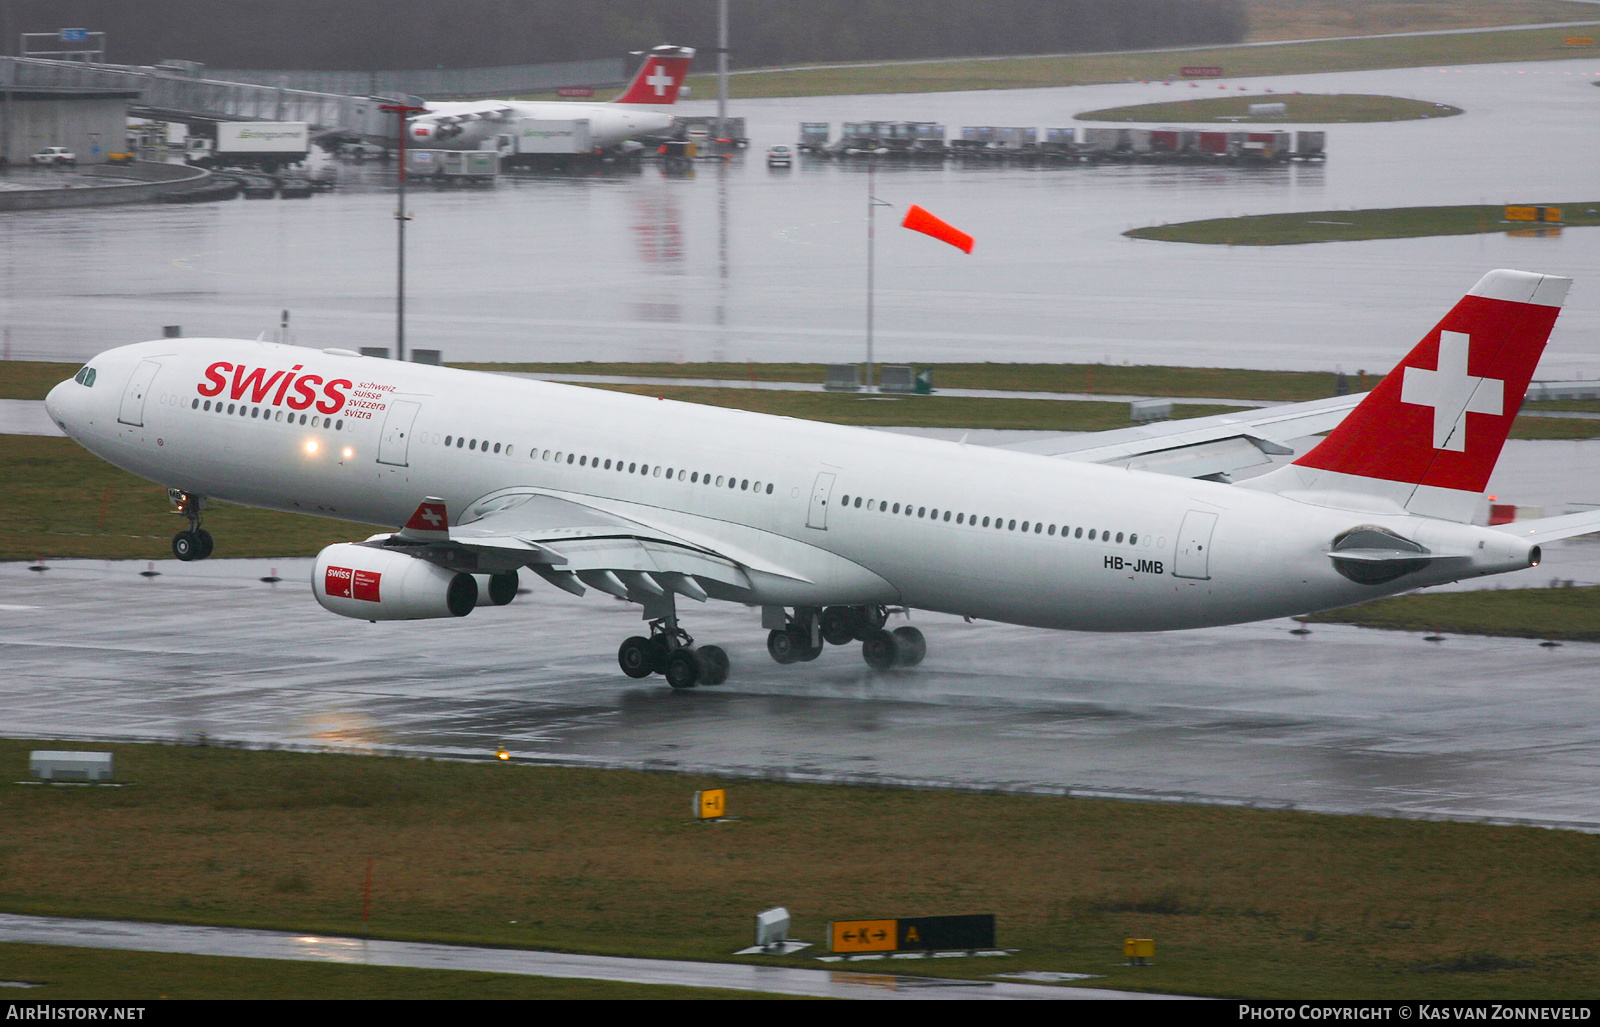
[348,583]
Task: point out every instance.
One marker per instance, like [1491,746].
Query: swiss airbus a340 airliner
[827,527]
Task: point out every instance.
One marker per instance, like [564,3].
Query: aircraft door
[821,493]
[395,446]
[1194,545]
[132,410]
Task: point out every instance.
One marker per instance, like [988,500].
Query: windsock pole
[872,204]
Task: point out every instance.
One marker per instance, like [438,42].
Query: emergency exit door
[1194,545]
[821,494]
[132,409]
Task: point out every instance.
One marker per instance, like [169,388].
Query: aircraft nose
[59,402]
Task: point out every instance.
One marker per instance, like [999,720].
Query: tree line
[377,35]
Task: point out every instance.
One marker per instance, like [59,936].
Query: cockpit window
[85,377]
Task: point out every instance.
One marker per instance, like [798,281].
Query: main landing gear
[670,652]
[802,638]
[196,542]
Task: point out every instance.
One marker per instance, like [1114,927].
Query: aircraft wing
[1550,529]
[1200,447]
[574,546]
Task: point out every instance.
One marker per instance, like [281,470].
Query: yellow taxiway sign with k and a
[865,935]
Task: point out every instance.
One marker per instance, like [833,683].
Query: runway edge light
[710,804]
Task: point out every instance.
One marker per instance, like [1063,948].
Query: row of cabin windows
[461,441]
[998,523]
[650,470]
[268,414]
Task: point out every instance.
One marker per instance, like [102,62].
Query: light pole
[873,203]
[722,71]
[401,112]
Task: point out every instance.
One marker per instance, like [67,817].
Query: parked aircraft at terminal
[644,109]
[827,528]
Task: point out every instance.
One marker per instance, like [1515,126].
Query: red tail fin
[1429,435]
[660,77]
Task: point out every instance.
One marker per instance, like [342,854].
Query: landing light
[311,446]
[348,452]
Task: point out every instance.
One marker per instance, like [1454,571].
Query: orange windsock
[919,220]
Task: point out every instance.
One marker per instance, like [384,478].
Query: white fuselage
[610,124]
[850,515]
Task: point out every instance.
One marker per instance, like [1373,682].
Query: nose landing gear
[195,543]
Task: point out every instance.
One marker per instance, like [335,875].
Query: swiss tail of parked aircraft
[660,78]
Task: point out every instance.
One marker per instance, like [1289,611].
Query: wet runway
[738,262]
[310,948]
[1495,729]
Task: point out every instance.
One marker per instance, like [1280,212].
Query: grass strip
[1240,902]
[1301,108]
[1562,614]
[1108,379]
[917,411]
[61,973]
[32,379]
[1358,54]
[1354,225]
[66,502]
[1311,19]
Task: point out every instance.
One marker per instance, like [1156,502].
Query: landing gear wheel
[870,619]
[784,646]
[683,670]
[637,657]
[660,652]
[713,664]
[880,650]
[185,546]
[207,543]
[839,625]
[911,645]
[809,653]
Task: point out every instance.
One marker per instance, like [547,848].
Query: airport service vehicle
[780,156]
[267,144]
[826,528]
[525,126]
[54,155]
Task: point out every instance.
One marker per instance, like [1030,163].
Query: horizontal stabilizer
[1551,529]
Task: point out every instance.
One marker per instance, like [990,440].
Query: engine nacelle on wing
[368,583]
[496,589]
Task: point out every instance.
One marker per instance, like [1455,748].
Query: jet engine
[369,583]
[496,589]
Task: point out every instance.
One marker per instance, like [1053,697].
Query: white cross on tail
[660,79]
[1452,392]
